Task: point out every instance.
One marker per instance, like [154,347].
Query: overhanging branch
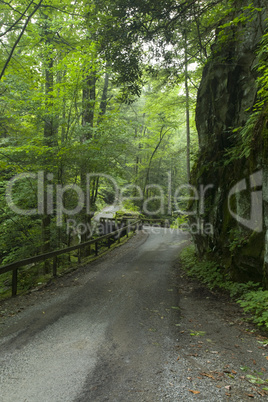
[19,38]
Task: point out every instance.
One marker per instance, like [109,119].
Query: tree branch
[12,8]
[18,39]
[18,20]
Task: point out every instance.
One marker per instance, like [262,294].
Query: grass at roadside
[251,296]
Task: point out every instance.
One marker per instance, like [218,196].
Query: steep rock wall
[225,102]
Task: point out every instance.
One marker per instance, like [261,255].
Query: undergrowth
[250,296]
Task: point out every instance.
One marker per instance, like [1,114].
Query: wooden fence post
[55,262]
[14,281]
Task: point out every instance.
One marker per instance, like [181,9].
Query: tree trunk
[89,99]
[187,109]
[88,104]
[49,132]
[103,104]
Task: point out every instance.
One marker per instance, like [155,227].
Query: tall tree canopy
[94,88]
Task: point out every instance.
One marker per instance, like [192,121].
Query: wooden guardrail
[123,218]
[161,222]
[14,266]
[120,218]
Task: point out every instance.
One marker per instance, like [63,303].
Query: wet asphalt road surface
[103,336]
[131,326]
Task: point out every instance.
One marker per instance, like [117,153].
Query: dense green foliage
[93,87]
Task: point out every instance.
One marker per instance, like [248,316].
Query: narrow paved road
[104,335]
[129,327]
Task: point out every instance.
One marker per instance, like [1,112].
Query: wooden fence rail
[14,266]
[156,222]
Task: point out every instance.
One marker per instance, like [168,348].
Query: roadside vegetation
[252,297]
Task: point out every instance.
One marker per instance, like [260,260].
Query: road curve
[104,335]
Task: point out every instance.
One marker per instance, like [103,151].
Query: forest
[104,94]
[94,87]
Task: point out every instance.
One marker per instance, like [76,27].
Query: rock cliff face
[233,157]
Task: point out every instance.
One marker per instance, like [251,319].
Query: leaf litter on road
[194,392]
